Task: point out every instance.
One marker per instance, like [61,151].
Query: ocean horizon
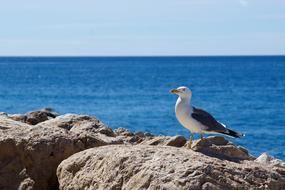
[244,92]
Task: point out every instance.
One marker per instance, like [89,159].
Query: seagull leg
[190,141]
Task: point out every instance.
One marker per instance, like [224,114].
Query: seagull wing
[210,123]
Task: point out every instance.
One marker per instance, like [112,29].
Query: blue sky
[145,27]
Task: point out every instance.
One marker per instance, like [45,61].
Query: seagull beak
[174,91]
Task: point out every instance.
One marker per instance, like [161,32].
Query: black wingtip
[234,134]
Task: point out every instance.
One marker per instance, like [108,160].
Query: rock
[149,139]
[35,117]
[132,138]
[32,145]
[123,132]
[161,167]
[268,160]
[89,129]
[29,157]
[7,123]
[3,114]
[140,134]
[176,141]
[30,154]
[18,117]
[217,146]
[271,162]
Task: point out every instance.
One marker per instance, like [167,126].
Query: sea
[247,93]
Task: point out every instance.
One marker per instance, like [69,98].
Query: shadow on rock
[219,147]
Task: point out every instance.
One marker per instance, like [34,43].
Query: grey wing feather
[207,120]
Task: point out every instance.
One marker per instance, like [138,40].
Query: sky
[141,27]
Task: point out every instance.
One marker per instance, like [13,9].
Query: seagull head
[182,92]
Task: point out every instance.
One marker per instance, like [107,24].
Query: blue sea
[246,93]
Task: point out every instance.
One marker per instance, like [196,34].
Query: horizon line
[105,56]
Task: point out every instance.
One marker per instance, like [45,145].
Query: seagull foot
[189,146]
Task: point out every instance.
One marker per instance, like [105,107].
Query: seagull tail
[232,133]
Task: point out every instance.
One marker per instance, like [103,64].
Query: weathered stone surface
[176,141]
[149,139]
[32,145]
[268,160]
[35,117]
[132,138]
[89,129]
[7,123]
[272,162]
[161,167]
[30,154]
[18,117]
[217,146]
[123,132]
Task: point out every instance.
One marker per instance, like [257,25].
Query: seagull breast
[183,112]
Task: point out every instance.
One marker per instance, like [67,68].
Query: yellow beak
[174,91]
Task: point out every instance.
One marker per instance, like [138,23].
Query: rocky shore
[45,150]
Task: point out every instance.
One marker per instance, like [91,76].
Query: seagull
[197,120]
